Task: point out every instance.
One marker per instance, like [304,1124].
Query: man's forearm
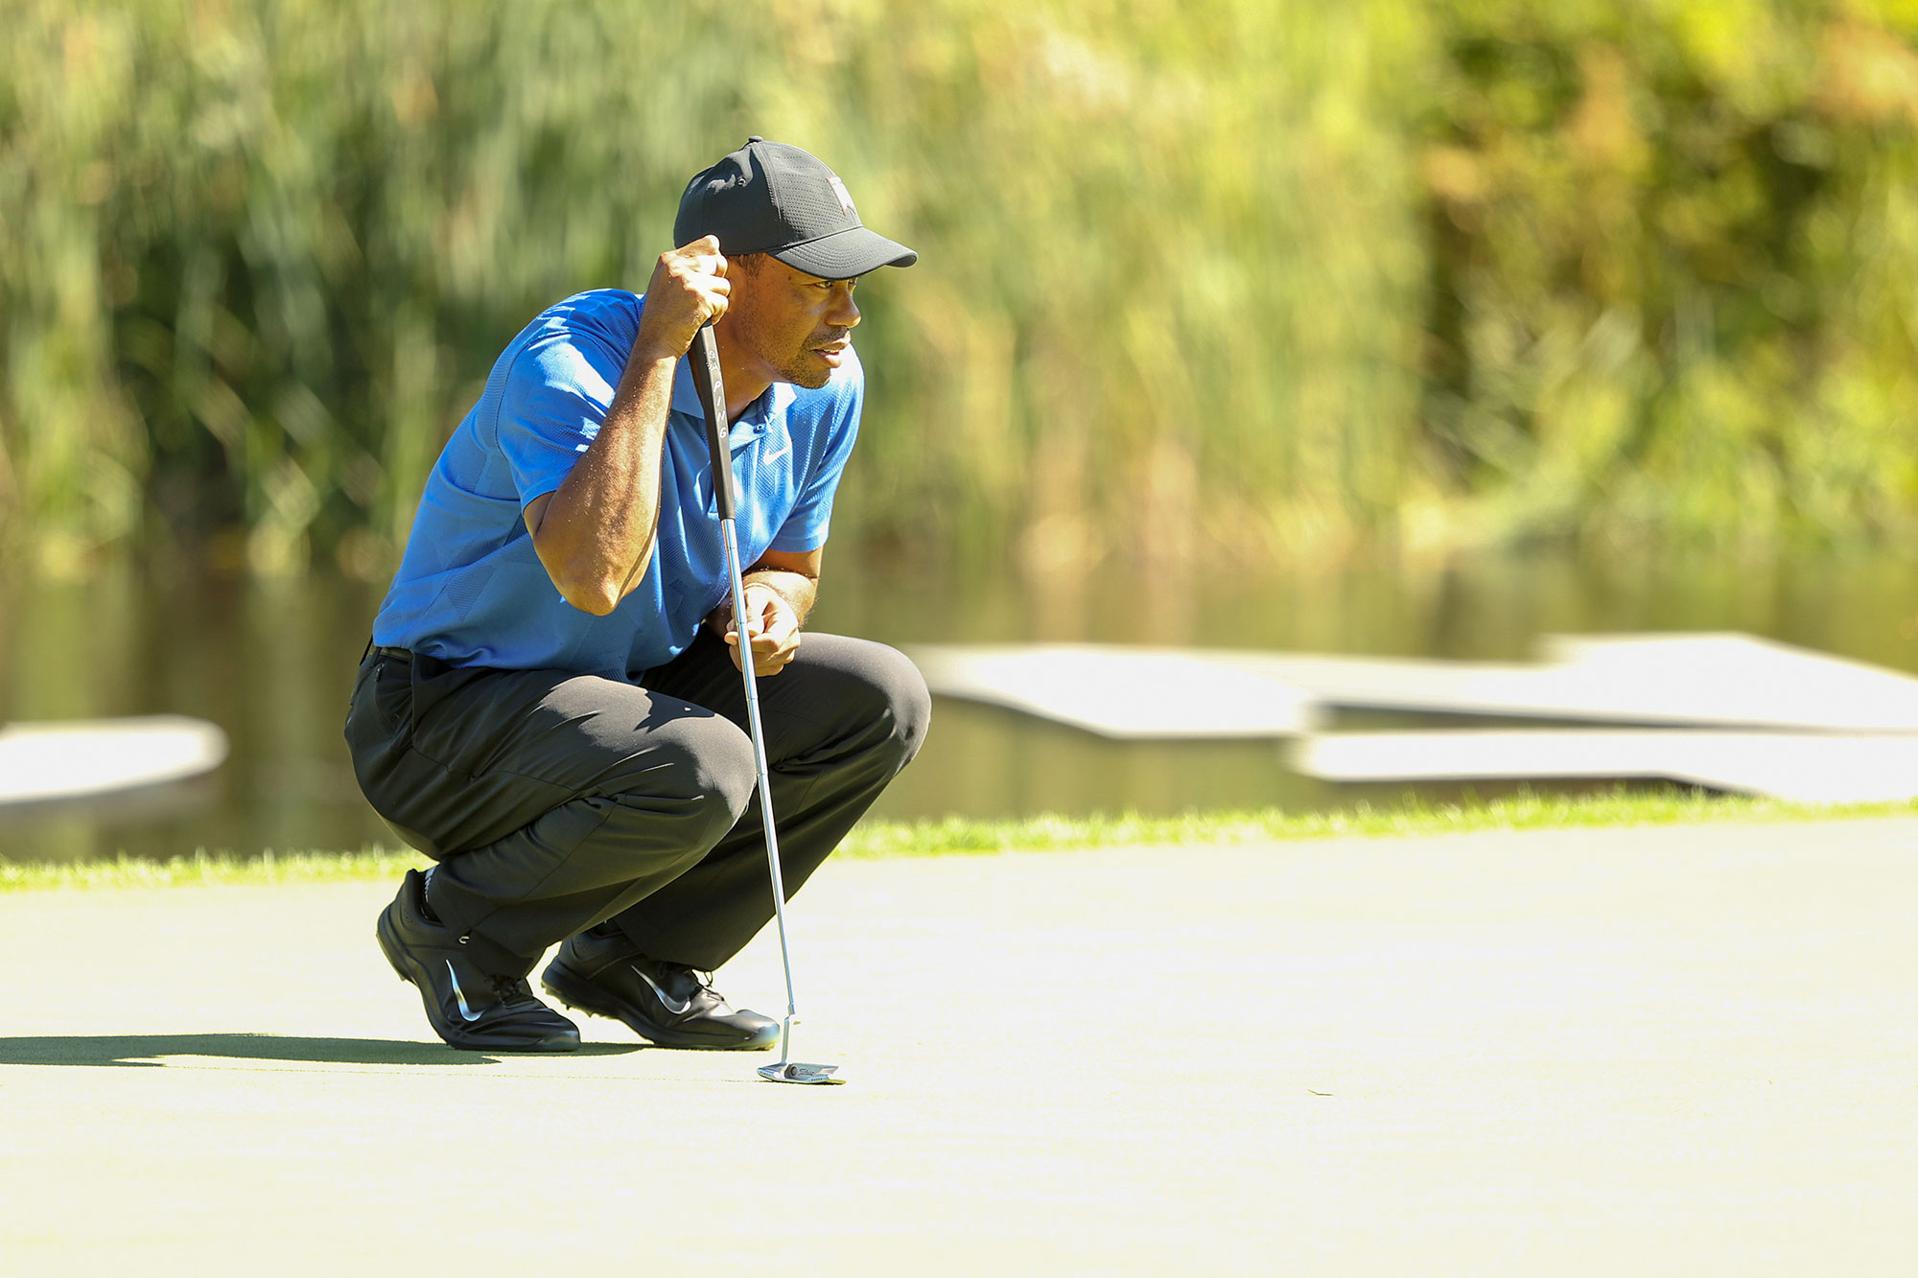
[596,535]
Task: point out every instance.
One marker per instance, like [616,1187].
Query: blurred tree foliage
[1671,251]
[1248,279]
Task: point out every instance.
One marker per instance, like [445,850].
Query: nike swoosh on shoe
[466,1012]
[676,1008]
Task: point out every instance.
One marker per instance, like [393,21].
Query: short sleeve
[811,519]
[554,402]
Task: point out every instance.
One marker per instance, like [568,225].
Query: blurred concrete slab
[1124,693]
[1797,766]
[43,764]
[1682,680]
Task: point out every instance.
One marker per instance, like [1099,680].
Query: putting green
[1649,1051]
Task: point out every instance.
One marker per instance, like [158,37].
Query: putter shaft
[712,397]
[729,534]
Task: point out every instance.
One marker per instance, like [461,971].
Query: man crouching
[550,706]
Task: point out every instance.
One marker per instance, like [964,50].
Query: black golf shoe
[601,971]
[471,1009]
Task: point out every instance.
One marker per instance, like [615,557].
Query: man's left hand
[772,627]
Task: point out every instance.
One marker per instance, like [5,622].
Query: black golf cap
[768,197]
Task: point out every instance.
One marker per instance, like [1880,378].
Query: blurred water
[271,661]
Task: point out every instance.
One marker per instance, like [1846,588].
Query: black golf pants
[553,801]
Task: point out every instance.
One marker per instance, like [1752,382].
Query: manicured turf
[1573,1052]
[958,836]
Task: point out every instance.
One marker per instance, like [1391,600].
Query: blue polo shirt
[470,590]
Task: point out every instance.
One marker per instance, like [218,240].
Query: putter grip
[712,398]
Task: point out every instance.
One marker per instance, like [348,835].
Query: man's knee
[901,702]
[705,762]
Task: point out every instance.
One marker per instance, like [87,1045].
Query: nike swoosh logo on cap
[468,1013]
[677,1009]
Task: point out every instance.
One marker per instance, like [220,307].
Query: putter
[712,398]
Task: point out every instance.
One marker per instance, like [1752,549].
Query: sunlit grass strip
[204,869]
[958,836]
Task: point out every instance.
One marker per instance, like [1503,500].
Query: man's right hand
[688,288]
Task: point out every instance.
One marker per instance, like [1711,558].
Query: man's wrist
[645,354]
[796,588]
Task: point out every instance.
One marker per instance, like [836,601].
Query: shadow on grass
[137,1049]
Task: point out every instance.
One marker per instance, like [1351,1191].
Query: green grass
[957,836]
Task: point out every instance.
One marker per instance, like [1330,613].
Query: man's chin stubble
[808,378]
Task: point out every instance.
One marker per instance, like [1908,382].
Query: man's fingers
[781,627]
[771,627]
[764,643]
[768,658]
[761,640]
[715,295]
[705,252]
[755,626]
[782,648]
[771,663]
[688,288]
[770,611]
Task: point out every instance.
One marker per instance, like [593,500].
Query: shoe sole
[406,969]
[580,995]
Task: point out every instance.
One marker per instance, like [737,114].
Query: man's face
[796,326]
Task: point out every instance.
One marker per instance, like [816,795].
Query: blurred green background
[1383,326]
[1267,280]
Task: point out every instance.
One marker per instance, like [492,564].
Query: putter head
[794,1072]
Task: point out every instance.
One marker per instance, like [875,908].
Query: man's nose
[845,312]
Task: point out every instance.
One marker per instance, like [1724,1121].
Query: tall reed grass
[1245,279]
